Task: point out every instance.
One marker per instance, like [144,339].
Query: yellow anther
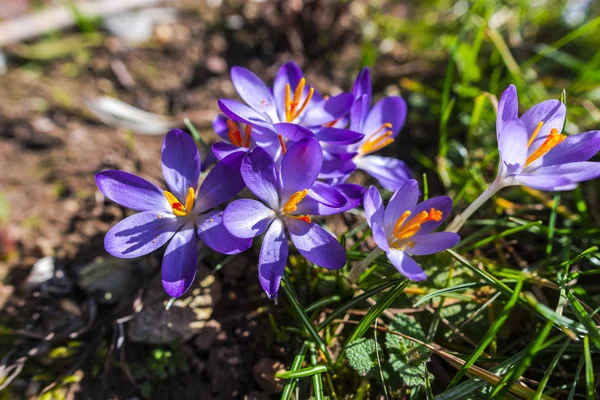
[291,105]
[376,141]
[179,209]
[551,141]
[404,229]
[292,203]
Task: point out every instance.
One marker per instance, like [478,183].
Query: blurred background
[93,85]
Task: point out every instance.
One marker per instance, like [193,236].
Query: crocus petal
[387,110]
[404,199]
[272,258]
[441,203]
[260,175]
[573,172]
[337,136]
[335,168]
[180,163]
[293,132]
[220,126]
[541,182]
[358,113]
[551,112]
[327,195]
[180,261]
[406,265]
[380,237]
[512,145]
[362,85]
[300,167]
[141,233]
[131,191]
[247,218]
[208,161]
[353,194]
[373,206]
[222,183]
[391,173]
[431,243]
[213,233]
[242,113]
[222,149]
[316,244]
[289,73]
[508,107]
[574,148]
[253,91]
[328,110]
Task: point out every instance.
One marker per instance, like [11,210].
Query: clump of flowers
[294,150]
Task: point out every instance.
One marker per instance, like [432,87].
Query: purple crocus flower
[379,125]
[534,152]
[405,228]
[290,102]
[285,203]
[180,215]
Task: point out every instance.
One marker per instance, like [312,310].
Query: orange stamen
[234,134]
[179,209]
[535,133]
[292,203]
[248,134]
[376,141]
[551,141]
[404,229]
[330,124]
[306,218]
[291,111]
[282,143]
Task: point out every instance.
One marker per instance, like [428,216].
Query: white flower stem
[359,268]
[460,219]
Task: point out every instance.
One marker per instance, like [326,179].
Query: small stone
[264,374]
[186,317]
[207,337]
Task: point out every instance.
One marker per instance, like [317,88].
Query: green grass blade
[374,313]
[302,373]
[552,224]
[323,302]
[440,292]
[577,375]
[295,303]
[505,233]
[316,378]
[490,334]
[553,363]
[296,364]
[511,377]
[584,318]
[356,301]
[589,369]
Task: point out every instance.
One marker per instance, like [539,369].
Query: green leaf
[407,358]
[296,364]
[462,286]
[302,373]
[361,355]
[584,318]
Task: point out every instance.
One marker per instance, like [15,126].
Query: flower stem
[358,269]
[460,219]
